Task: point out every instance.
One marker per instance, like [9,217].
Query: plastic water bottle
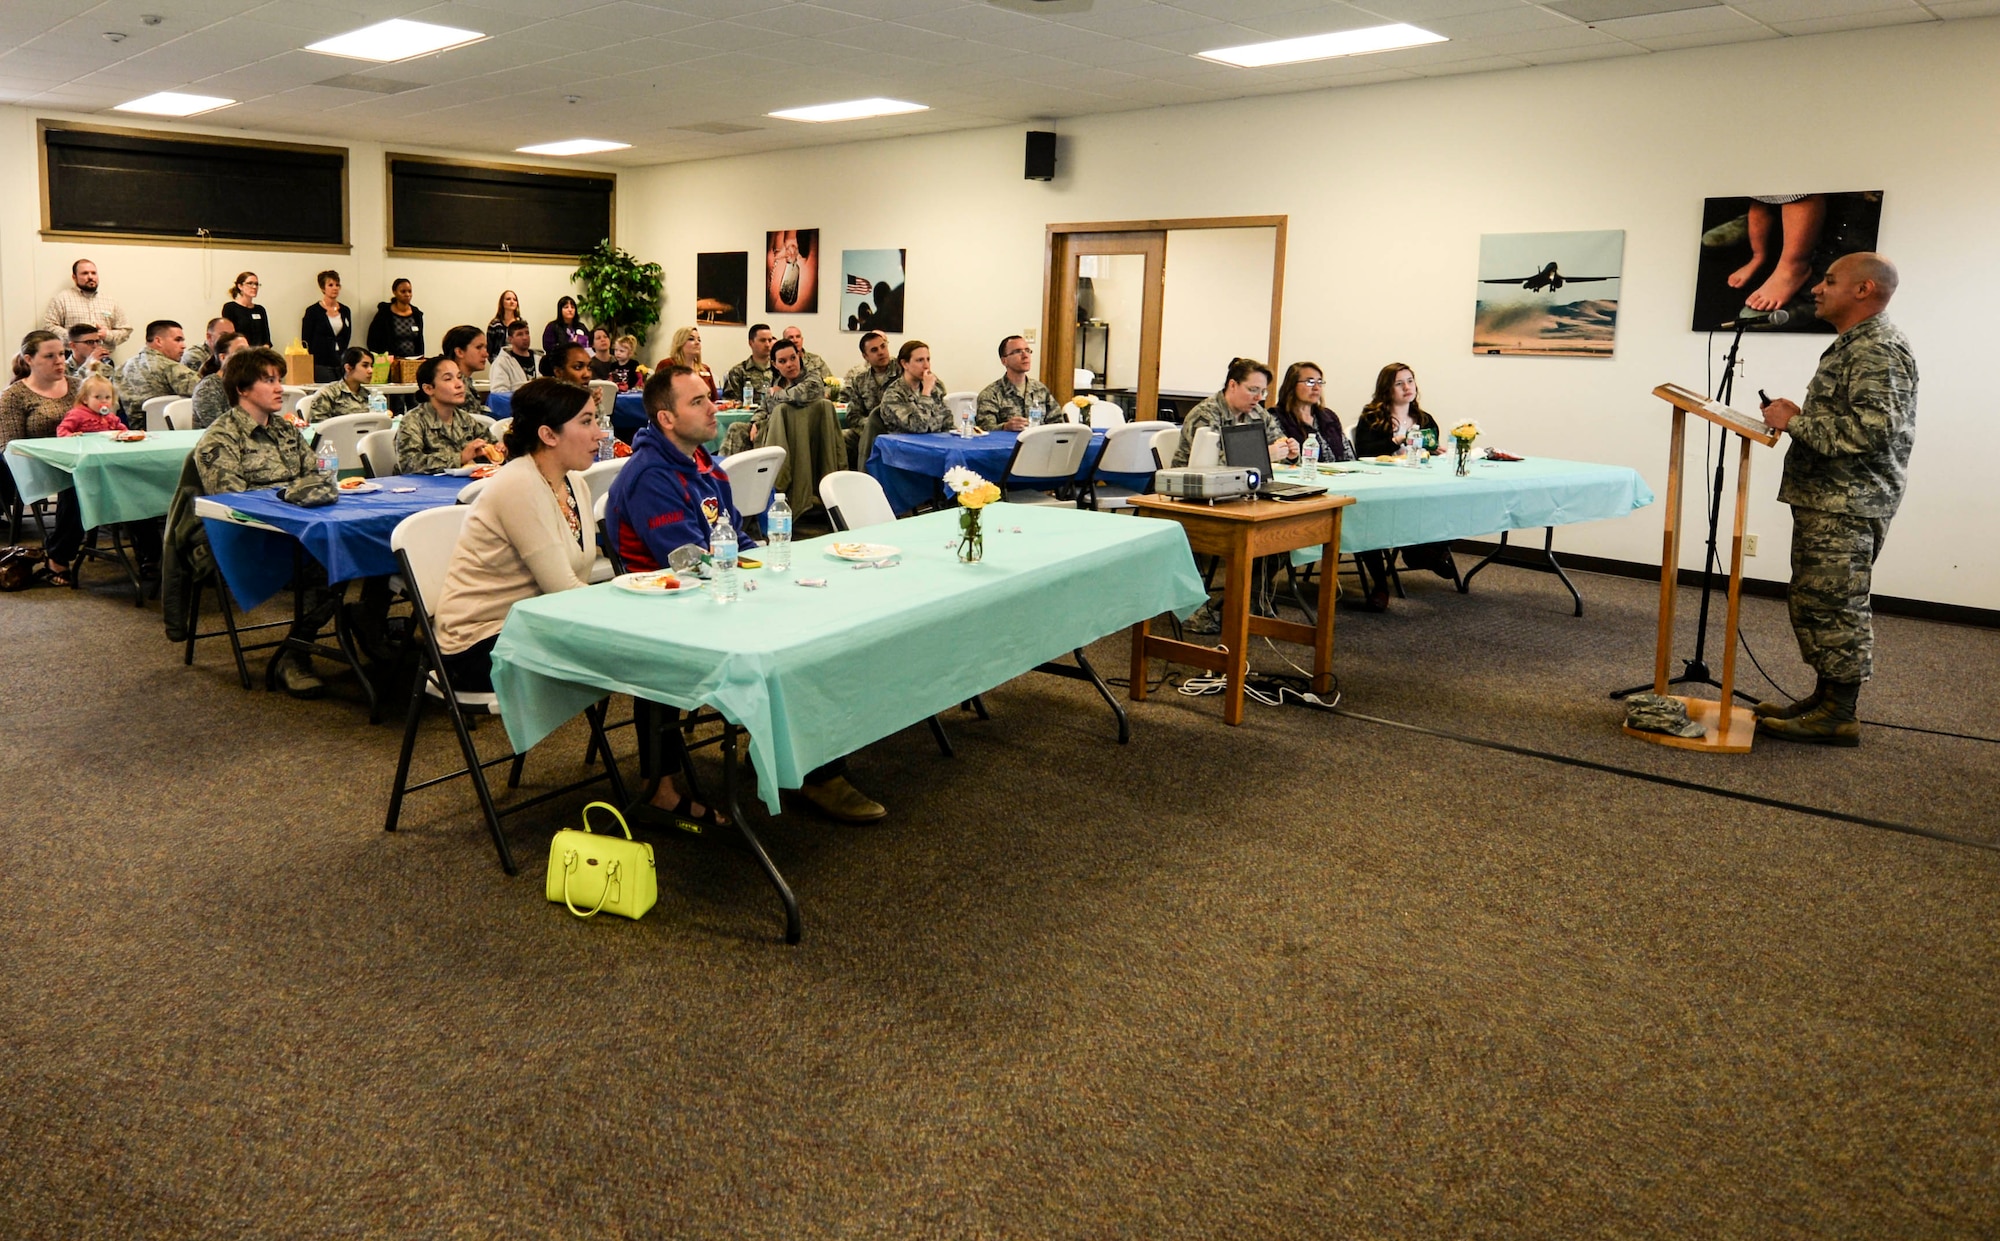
[327,458]
[749,396]
[722,550]
[1035,413]
[604,452]
[778,535]
[1309,457]
[377,403]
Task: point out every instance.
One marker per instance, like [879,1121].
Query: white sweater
[515,545]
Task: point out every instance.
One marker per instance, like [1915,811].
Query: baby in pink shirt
[94,402]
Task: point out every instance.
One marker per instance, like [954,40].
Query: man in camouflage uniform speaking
[1844,477]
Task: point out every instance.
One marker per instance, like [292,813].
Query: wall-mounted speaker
[1041,164]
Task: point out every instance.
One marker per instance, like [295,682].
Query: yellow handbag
[595,874]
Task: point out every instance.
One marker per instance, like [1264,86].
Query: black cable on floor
[1907,728]
[1671,782]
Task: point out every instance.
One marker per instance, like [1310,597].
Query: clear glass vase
[1464,457]
[971,539]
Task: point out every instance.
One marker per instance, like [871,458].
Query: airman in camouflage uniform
[1845,474]
[1218,413]
[335,400]
[1001,401]
[428,444]
[147,374]
[237,454]
[905,409]
[798,388]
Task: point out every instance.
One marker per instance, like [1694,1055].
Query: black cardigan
[382,330]
[325,344]
[1372,442]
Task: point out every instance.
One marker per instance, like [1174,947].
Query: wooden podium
[1729,728]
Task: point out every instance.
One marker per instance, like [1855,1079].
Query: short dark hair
[354,355]
[517,325]
[208,328]
[543,403]
[756,328]
[554,359]
[1003,343]
[785,344]
[213,362]
[1241,369]
[427,370]
[868,336]
[77,331]
[321,279]
[909,350]
[77,264]
[158,326]
[244,370]
[659,391]
[399,280]
[459,337]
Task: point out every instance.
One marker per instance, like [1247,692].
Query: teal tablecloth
[1402,506]
[814,674]
[114,482]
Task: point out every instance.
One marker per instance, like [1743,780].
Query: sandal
[58,577]
[681,817]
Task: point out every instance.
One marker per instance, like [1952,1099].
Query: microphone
[1777,318]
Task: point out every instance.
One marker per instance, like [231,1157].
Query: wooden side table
[1240,531]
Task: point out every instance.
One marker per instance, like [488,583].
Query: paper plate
[358,486]
[863,551]
[654,583]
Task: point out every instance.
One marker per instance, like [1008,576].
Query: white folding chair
[470,492]
[1105,414]
[598,477]
[964,406]
[305,406]
[1128,449]
[484,422]
[753,477]
[155,409]
[1206,449]
[496,429]
[1082,378]
[607,399]
[378,454]
[1164,442]
[293,395]
[1045,457]
[854,500]
[178,414]
[423,543]
[345,433]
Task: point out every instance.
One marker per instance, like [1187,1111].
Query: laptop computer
[1243,448]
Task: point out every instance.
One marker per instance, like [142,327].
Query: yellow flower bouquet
[974,494]
[1462,436]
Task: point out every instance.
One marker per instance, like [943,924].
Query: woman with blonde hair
[685,350]
[503,318]
[243,312]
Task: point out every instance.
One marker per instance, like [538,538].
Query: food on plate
[353,484]
[850,549]
[485,471]
[129,437]
[662,581]
[619,448]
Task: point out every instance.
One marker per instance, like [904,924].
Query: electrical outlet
[1029,336]
[1749,544]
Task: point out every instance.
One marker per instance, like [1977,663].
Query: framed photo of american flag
[871,290]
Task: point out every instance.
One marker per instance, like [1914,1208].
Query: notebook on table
[1243,448]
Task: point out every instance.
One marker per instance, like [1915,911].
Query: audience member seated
[626,371]
[862,390]
[789,386]
[89,355]
[754,372]
[566,328]
[662,500]
[500,326]
[1300,412]
[154,371]
[1240,401]
[84,302]
[398,326]
[96,410]
[41,394]
[685,351]
[244,314]
[815,365]
[569,362]
[1004,403]
[250,447]
[601,357]
[195,356]
[211,397]
[529,532]
[1393,418]
[349,394]
[327,329]
[438,435]
[914,403]
[514,365]
[466,345]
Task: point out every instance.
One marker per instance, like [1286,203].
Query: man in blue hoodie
[667,496]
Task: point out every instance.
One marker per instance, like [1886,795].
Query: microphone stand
[1695,671]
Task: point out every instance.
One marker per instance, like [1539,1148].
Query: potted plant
[619,292]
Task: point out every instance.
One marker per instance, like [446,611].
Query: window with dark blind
[495,209]
[176,187]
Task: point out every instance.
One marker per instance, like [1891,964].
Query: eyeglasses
[1313,383]
[1257,392]
[1023,350]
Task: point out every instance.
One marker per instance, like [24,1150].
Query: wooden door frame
[1059,291]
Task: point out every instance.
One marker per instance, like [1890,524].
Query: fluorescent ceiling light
[1323,46]
[574,146]
[173,103]
[852,110]
[395,39]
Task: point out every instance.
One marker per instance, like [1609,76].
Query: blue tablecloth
[350,536]
[909,466]
[628,412]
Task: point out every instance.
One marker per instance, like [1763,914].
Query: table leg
[1236,631]
[1329,591]
[1136,690]
[793,927]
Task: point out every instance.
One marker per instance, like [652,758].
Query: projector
[1215,482]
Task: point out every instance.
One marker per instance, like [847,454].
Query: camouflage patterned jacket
[211,401]
[195,355]
[907,410]
[236,454]
[1215,412]
[759,379]
[427,444]
[1851,439]
[334,400]
[807,390]
[862,390]
[1000,400]
[815,366]
[147,374]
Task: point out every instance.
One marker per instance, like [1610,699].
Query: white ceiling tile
[1485,64]
[1854,21]
[1133,18]
[1650,29]
[1706,38]
[1420,12]
[1520,20]
[1555,38]
[1965,8]
[1567,55]
[1775,11]
[1319,19]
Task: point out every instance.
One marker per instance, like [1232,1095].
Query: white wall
[189,284]
[1120,296]
[1383,241]
[1217,304]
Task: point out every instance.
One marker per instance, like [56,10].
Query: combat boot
[296,677]
[1832,722]
[1791,710]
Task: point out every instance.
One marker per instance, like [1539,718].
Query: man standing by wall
[1844,478]
[84,304]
